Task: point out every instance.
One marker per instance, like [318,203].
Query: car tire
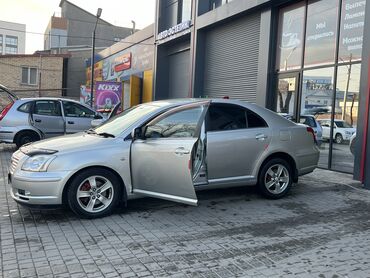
[94,193]
[338,138]
[25,137]
[275,178]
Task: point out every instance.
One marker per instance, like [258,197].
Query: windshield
[121,122]
[341,124]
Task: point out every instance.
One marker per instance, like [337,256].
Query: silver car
[31,119]
[168,150]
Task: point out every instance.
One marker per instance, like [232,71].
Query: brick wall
[51,74]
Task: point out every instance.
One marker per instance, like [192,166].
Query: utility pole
[98,14]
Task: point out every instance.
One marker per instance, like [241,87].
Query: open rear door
[161,163]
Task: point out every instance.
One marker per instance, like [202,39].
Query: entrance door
[161,163]
[287,88]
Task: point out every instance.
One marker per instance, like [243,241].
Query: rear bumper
[7,134]
[307,162]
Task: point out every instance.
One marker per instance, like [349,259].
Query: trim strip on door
[184,200]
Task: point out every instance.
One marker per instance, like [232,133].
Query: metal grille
[231,59]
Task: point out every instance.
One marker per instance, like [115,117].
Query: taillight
[5,110]
[310,130]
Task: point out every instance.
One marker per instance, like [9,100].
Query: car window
[325,123]
[308,121]
[72,109]
[25,107]
[341,124]
[226,117]
[47,108]
[254,120]
[180,124]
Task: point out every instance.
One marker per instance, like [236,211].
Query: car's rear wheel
[338,138]
[25,137]
[94,193]
[275,178]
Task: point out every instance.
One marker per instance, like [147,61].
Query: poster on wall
[85,95]
[107,95]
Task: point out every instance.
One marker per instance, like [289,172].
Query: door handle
[38,121]
[71,123]
[181,151]
[261,136]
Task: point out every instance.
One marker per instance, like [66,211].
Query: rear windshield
[308,121]
[5,99]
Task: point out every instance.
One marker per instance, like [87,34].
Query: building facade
[12,38]
[293,57]
[129,62]
[33,75]
[71,32]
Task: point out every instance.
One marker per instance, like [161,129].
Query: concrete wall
[20,34]
[81,24]
[51,74]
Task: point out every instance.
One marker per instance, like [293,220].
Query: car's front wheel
[94,193]
[276,178]
[338,138]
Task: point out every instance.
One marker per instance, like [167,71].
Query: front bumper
[37,188]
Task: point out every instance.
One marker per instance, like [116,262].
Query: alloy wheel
[95,194]
[276,179]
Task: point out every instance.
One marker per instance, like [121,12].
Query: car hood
[67,143]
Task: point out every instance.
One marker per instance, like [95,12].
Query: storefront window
[351,30]
[317,96]
[286,95]
[291,28]
[345,119]
[321,32]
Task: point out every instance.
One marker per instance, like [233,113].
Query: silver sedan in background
[168,150]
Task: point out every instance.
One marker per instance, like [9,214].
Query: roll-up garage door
[178,73]
[231,59]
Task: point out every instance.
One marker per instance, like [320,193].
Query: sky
[36,14]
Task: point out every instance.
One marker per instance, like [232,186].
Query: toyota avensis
[164,149]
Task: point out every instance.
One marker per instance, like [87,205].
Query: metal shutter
[231,59]
[178,74]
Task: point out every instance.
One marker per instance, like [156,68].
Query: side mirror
[98,117]
[137,133]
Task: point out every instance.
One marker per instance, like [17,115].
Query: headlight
[38,163]
[348,132]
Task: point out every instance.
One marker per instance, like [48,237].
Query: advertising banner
[107,95]
[85,95]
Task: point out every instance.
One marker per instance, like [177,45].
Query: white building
[12,38]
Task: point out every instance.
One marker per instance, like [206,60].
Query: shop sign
[122,62]
[98,72]
[107,95]
[174,30]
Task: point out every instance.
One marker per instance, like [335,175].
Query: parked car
[342,130]
[165,149]
[310,121]
[32,119]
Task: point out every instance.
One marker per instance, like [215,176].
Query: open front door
[161,163]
